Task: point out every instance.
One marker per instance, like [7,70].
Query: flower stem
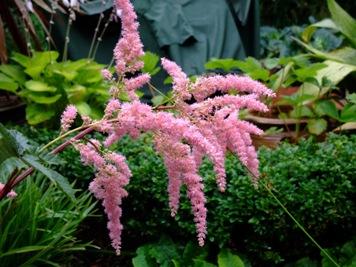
[300,226]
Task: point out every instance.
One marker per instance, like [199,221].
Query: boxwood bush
[315,181]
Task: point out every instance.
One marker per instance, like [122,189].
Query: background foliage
[314,180]
[281,13]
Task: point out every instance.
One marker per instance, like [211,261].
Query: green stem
[300,226]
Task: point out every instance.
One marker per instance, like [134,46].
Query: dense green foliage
[48,85]
[280,13]
[315,181]
[39,227]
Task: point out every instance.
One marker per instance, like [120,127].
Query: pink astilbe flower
[11,194]
[68,117]
[205,86]
[106,74]
[129,49]
[180,79]
[207,128]
[108,185]
[112,106]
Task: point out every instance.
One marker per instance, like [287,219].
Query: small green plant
[47,85]
[169,254]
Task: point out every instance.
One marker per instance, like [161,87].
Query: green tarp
[187,31]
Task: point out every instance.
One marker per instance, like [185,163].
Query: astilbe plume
[208,127]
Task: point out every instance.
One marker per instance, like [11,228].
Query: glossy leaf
[38,86]
[227,259]
[41,99]
[8,84]
[14,72]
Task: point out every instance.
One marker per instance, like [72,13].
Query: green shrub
[39,226]
[316,181]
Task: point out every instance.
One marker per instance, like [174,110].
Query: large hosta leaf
[38,86]
[37,113]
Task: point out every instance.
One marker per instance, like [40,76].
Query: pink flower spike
[68,117]
[106,74]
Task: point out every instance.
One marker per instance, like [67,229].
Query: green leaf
[83,108]
[54,176]
[8,166]
[202,263]
[38,86]
[226,64]
[8,84]
[351,98]
[157,100]
[150,61]
[39,62]
[317,126]
[301,112]
[21,59]
[335,71]
[140,261]
[327,107]
[41,99]
[15,72]
[21,250]
[308,72]
[343,20]
[227,259]
[76,93]
[7,144]
[37,113]
[348,113]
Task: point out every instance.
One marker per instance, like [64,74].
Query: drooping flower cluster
[208,127]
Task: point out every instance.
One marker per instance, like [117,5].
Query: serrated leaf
[317,126]
[38,86]
[8,166]
[8,144]
[327,107]
[301,112]
[54,176]
[227,259]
